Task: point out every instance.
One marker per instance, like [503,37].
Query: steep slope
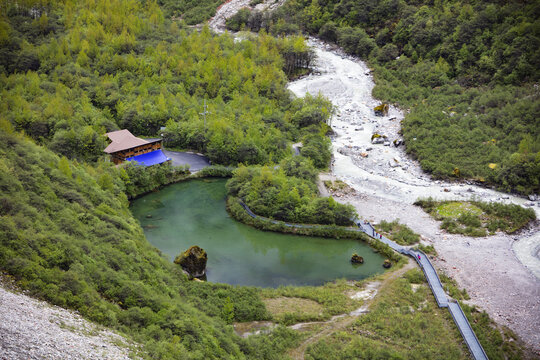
[73,242]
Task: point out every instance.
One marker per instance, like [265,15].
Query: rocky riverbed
[498,271]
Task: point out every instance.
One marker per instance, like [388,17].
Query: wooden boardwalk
[443,300]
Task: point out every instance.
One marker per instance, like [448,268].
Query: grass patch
[402,324]
[400,233]
[405,322]
[455,209]
[477,218]
[451,287]
[290,305]
[499,342]
[286,309]
[338,186]
[427,249]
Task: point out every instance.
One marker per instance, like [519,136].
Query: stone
[397,142]
[381,110]
[357,259]
[193,261]
[387,264]
[149,216]
[364,154]
[377,138]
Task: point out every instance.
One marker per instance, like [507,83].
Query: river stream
[386,172]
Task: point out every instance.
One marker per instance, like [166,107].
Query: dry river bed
[498,271]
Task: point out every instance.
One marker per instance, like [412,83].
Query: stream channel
[193,213]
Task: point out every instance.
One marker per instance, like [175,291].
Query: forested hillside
[71,71]
[69,238]
[466,71]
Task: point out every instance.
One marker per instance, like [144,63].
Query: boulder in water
[357,259]
[193,261]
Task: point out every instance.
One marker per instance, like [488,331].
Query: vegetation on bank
[189,11]
[405,322]
[331,231]
[465,71]
[400,233]
[139,180]
[477,218]
[278,194]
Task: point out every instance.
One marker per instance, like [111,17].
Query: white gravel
[32,329]
[387,182]
[231,7]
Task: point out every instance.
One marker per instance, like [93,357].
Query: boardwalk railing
[433,280]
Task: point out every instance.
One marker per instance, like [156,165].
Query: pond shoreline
[195,213]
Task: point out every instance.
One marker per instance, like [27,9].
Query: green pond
[193,213]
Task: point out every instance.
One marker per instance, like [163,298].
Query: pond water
[193,213]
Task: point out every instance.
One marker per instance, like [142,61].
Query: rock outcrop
[357,259]
[193,261]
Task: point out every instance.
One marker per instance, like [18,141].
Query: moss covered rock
[381,110]
[357,259]
[387,264]
[193,261]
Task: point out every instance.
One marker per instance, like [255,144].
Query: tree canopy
[465,71]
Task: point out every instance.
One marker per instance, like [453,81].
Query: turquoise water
[193,213]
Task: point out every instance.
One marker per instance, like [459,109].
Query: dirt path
[341,322]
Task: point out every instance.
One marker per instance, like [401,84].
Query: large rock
[377,138]
[193,261]
[387,264]
[381,110]
[357,259]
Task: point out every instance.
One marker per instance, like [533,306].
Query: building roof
[149,159]
[123,140]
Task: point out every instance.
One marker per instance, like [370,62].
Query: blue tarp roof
[149,159]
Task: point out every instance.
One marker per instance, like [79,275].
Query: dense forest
[464,71]
[72,71]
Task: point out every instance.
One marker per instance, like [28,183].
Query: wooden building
[125,146]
